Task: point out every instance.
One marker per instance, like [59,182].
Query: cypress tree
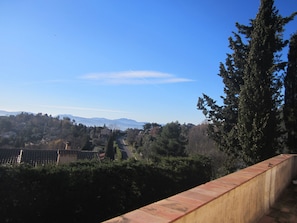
[245,127]
[110,150]
[222,126]
[290,106]
[259,101]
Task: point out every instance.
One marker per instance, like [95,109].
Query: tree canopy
[290,107]
[246,125]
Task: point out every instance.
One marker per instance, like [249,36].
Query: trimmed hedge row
[92,191]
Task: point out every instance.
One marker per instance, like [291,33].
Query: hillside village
[41,134]
[42,140]
[46,132]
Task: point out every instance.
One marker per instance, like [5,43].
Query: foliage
[153,142]
[199,143]
[110,149]
[245,127]
[133,137]
[169,140]
[223,119]
[290,107]
[259,101]
[46,132]
[92,191]
[118,152]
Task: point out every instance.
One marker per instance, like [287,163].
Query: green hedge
[92,191]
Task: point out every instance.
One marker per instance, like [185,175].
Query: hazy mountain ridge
[122,123]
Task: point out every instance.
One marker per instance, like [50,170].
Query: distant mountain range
[121,124]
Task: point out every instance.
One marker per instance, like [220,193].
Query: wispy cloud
[135,77]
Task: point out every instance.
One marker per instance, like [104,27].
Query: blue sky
[148,60]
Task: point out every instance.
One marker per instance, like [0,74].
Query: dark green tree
[170,142]
[86,143]
[223,119]
[290,106]
[110,150]
[264,34]
[259,101]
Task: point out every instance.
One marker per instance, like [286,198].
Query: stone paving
[285,208]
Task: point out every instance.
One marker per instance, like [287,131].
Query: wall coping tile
[185,206]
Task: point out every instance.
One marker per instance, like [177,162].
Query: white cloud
[134,77]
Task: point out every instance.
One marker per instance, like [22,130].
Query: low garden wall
[243,196]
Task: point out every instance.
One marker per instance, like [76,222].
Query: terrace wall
[243,196]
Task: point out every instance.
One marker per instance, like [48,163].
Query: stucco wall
[244,196]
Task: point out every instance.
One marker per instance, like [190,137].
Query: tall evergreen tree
[290,106]
[110,150]
[259,101]
[223,119]
[264,34]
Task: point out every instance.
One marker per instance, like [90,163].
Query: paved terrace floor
[285,208]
